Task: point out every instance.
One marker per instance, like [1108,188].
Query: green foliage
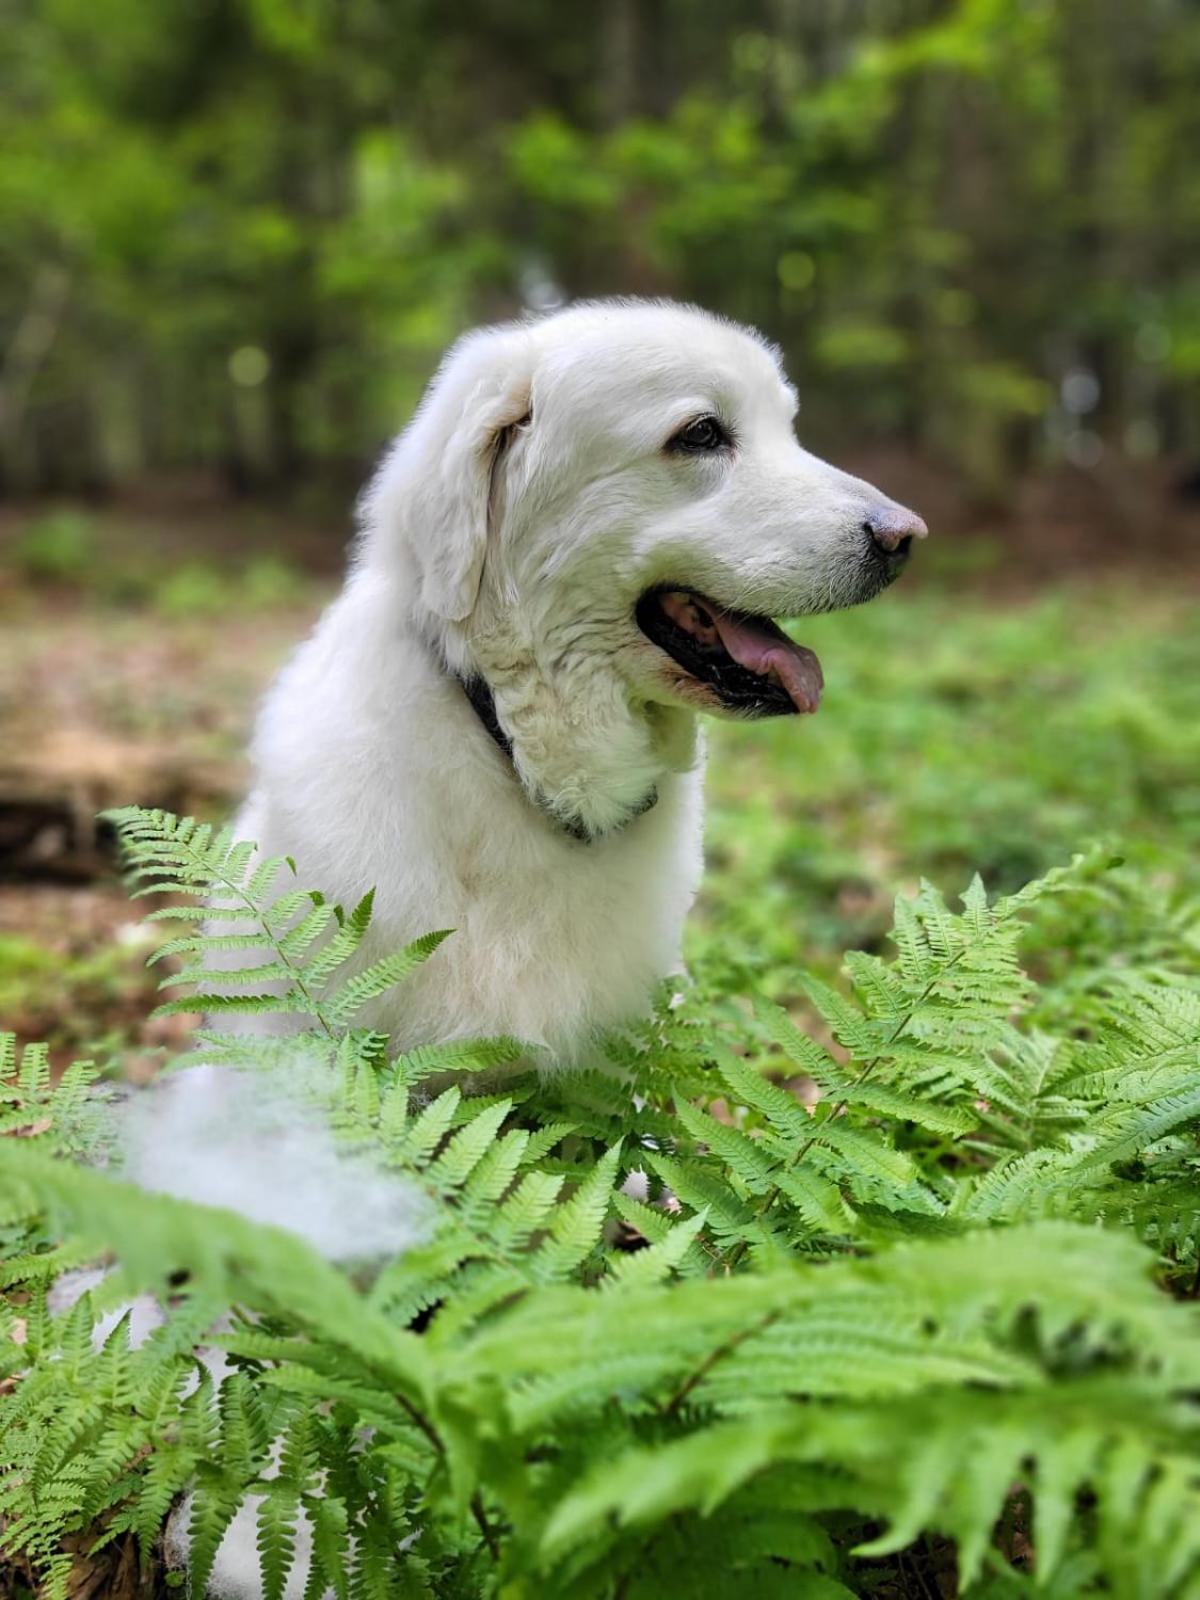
[55,548]
[897,1301]
[199,589]
[240,238]
[69,1113]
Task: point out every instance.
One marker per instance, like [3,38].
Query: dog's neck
[483,703]
[587,755]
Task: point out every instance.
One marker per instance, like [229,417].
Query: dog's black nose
[893,529]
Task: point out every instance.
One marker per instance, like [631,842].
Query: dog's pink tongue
[771,653]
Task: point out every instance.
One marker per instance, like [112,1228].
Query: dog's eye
[705,433]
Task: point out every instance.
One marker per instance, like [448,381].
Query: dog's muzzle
[745,663]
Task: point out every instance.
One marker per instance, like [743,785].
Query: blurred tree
[235,233]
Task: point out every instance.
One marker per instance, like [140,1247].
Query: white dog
[576,546]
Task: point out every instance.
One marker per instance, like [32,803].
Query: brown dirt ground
[101,708]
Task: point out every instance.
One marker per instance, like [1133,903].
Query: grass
[958,734]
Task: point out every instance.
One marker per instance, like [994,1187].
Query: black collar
[483,702]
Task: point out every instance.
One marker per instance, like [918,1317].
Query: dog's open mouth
[748,663]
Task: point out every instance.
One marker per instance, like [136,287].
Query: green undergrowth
[899,1301]
[60,552]
[957,736]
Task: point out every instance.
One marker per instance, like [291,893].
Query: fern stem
[236,890]
[423,1423]
[485,1527]
[710,1361]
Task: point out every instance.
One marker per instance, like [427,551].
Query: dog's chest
[553,939]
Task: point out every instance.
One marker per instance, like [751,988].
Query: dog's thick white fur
[508,536]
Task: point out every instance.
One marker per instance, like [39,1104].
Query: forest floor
[990,713]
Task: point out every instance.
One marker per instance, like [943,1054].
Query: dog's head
[620,484]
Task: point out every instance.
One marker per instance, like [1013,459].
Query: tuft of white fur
[508,534]
[255,1143]
[235,1574]
[248,1142]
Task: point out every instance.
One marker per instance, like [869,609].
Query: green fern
[67,1116]
[888,1294]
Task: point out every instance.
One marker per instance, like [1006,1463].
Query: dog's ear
[435,490]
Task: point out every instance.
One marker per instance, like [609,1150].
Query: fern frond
[577,1225]
[215,1501]
[343,1003]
